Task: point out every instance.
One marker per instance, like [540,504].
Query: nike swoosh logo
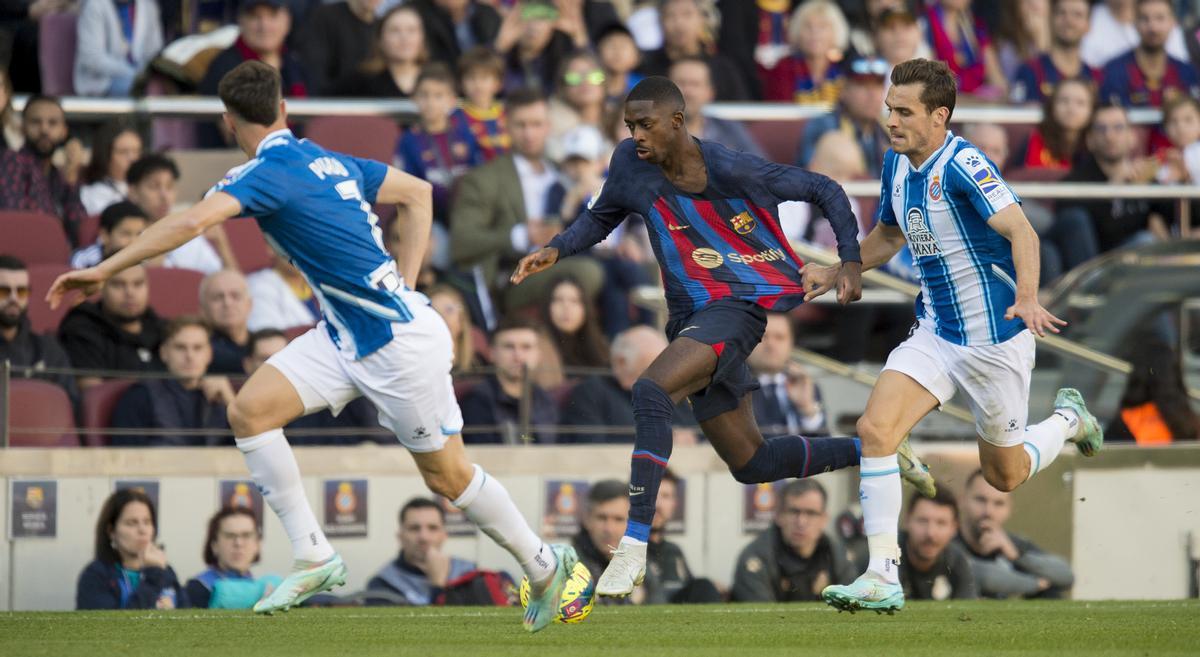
[670,227]
[637,493]
[688,329]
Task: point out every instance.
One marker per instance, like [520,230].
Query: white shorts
[994,378]
[408,379]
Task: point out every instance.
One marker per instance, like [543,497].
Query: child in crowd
[482,74]
[437,149]
[620,57]
[1181,123]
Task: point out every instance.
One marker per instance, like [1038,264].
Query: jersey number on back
[384,277]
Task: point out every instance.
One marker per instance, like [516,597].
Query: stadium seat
[562,392]
[88,230]
[464,386]
[200,169]
[174,292]
[42,238]
[248,245]
[56,53]
[41,318]
[372,137]
[40,415]
[98,404]
[779,139]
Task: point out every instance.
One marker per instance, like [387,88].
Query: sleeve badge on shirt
[743,223]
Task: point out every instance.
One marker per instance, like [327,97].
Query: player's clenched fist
[818,279]
[533,263]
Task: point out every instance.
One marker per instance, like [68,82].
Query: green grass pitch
[928,629]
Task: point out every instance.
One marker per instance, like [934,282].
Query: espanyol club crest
[935,189]
[345,501]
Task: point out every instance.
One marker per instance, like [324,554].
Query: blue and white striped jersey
[314,208]
[965,267]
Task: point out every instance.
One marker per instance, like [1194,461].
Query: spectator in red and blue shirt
[28,178]
[1147,75]
[437,148]
[1036,78]
[963,42]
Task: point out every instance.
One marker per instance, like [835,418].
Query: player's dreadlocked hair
[658,90]
[251,91]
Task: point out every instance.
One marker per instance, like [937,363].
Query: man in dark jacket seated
[29,352]
[119,332]
[603,525]
[495,402]
[794,559]
[606,401]
[421,571]
[188,401]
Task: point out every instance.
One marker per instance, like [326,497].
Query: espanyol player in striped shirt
[713,219]
[377,337]
[977,258]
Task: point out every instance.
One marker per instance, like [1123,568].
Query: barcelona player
[977,259]
[714,226]
[377,337]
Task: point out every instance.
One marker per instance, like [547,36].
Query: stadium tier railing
[84,108]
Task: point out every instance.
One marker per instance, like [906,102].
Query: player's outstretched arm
[162,236]
[1012,224]
[414,200]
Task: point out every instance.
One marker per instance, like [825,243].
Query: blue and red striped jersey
[724,242]
[1126,84]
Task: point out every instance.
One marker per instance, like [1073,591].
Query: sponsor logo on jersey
[920,240]
[935,188]
[674,227]
[743,223]
[986,180]
[769,255]
[708,258]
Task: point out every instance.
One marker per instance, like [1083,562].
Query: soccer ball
[577,597]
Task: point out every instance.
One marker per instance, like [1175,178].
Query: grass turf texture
[928,629]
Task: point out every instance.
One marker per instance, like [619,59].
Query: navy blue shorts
[733,328]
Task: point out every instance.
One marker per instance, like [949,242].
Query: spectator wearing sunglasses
[30,353]
[857,113]
[581,99]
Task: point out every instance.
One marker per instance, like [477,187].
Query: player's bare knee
[871,434]
[246,418]
[449,483]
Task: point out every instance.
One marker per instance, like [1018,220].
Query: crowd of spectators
[953,547]
[517,110]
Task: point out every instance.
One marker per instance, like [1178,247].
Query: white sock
[1044,440]
[881,496]
[487,504]
[273,468]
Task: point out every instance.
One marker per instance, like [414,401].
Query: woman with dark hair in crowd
[1155,409]
[117,146]
[452,306]
[1022,33]
[571,321]
[233,544]
[1060,137]
[400,53]
[130,570]
[689,28]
